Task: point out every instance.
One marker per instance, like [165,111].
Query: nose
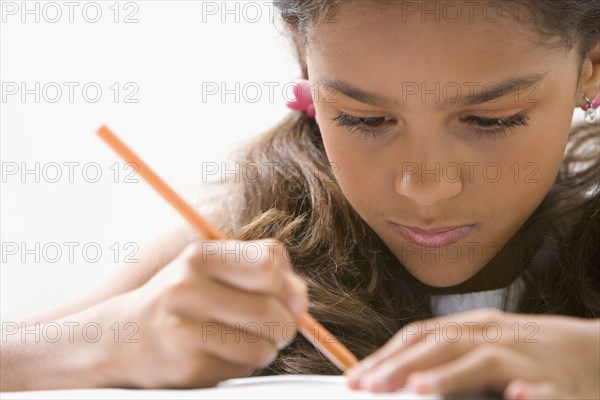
[428,183]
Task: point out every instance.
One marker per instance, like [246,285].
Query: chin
[441,275]
[441,283]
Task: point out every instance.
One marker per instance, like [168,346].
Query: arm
[26,353]
[168,325]
[58,354]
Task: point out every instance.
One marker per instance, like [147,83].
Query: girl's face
[434,124]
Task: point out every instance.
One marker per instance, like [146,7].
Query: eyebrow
[492,91]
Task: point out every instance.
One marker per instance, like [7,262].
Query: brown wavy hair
[357,288]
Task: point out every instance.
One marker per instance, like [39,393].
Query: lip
[433,237]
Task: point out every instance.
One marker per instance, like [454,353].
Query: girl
[442,215]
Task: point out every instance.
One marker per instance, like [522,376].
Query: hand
[523,356]
[218,311]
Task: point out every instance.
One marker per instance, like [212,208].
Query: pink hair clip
[590,107]
[303,98]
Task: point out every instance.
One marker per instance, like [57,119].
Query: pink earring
[303,98]
[590,107]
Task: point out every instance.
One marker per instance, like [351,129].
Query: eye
[366,127]
[482,126]
[494,127]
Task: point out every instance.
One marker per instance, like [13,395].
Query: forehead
[380,42]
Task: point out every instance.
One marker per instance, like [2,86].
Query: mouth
[433,236]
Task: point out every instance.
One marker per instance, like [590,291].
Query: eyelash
[481,126]
[498,125]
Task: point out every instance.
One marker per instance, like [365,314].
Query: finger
[392,372]
[486,367]
[245,257]
[405,338]
[420,332]
[203,300]
[259,267]
[520,389]
[237,346]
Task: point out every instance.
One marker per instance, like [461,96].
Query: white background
[173,49]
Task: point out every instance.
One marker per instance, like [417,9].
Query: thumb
[520,390]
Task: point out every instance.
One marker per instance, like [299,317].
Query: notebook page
[262,387]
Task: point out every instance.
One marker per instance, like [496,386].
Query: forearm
[68,353]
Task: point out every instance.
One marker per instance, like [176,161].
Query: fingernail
[299,285]
[298,300]
[298,306]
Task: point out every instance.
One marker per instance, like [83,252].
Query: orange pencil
[320,337]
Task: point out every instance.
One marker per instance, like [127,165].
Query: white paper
[260,387]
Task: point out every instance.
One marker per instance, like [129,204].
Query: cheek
[347,162]
[534,158]
[529,165]
[359,172]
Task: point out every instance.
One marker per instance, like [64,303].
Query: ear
[589,82]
